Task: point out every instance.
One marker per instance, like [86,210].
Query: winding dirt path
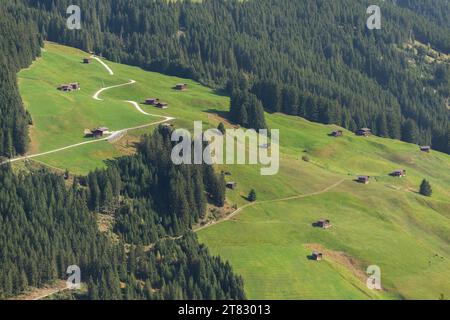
[114,135]
[42,293]
[53,151]
[104,64]
[95,96]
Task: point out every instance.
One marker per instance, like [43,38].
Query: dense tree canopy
[17,50]
[315,59]
[46,226]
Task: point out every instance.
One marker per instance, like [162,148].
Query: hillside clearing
[384,223]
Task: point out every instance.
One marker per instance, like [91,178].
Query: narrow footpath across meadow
[103,64]
[96,95]
[238,210]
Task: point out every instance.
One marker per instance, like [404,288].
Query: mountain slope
[385,223]
[315,59]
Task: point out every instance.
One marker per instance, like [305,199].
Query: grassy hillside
[385,223]
[60,118]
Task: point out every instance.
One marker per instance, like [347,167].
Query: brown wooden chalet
[337,133]
[231,185]
[425,149]
[87,60]
[69,87]
[316,256]
[323,223]
[363,179]
[181,86]
[151,101]
[399,173]
[65,87]
[364,132]
[162,105]
[99,132]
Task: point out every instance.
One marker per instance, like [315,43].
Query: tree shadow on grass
[223,114]
[245,198]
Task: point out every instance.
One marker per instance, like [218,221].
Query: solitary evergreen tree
[252,196]
[425,188]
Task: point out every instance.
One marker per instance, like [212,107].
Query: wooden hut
[323,223]
[181,86]
[337,133]
[316,256]
[363,179]
[151,101]
[364,132]
[426,149]
[162,105]
[399,173]
[231,185]
[87,60]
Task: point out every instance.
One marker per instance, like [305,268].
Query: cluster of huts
[363,132]
[323,224]
[366,132]
[337,133]
[426,149]
[400,173]
[164,105]
[316,255]
[231,185]
[67,87]
[156,102]
[95,133]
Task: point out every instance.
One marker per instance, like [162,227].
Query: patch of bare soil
[342,258]
[218,118]
[214,213]
[41,293]
[127,145]
[105,224]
